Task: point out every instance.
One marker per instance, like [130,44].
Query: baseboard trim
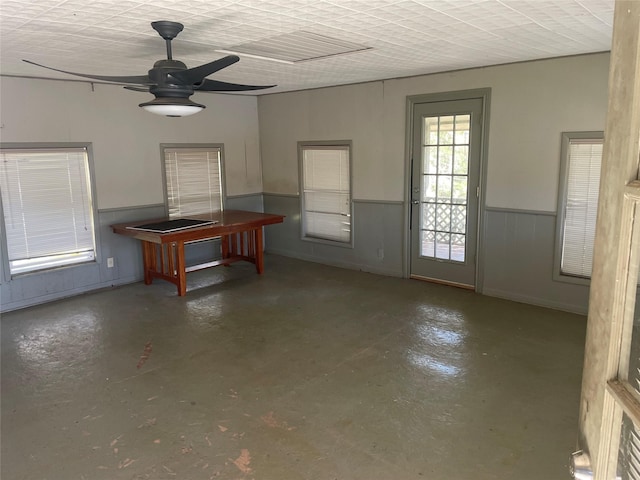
[442,282]
[32,302]
[333,263]
[565,307]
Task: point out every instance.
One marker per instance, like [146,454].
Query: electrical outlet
[110,262]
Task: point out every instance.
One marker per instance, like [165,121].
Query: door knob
[415,202]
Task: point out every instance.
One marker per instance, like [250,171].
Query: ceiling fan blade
[196,74]
[217,86]
[137,89]
[140,80]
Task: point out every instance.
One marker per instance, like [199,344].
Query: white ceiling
[398,37]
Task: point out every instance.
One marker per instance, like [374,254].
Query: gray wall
[126,139]
[532,103]
[127,169]
[377,233]
[518,261]
[40,287]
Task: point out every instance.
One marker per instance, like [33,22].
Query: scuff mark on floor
[89,417]
[125,463]
[145,354]
[243,461]
[149,422]
[168,470]
[271,421]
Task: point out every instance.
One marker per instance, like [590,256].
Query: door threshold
[442,282]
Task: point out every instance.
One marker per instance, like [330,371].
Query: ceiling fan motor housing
[165,85]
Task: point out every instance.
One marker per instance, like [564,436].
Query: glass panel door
[445,179]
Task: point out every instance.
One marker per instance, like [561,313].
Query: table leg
[224,243]
[148,254]
[259,253]
[181,274]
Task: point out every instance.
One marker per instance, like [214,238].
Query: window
[578,202]
[326,191]
[445,179]
[193,179]
[47,207]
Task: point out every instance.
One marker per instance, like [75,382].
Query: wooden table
[240,233]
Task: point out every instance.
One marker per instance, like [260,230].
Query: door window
[445,176]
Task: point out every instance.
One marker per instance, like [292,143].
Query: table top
[227,221]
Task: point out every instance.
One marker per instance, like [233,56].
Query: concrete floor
[307,372]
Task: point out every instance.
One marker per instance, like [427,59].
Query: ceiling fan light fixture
[170,81]
[172,106]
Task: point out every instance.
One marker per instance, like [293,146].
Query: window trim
[562,203]
[223,177]
[5,268]
[4,254]
[325,143]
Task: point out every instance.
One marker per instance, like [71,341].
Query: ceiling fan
[171,81]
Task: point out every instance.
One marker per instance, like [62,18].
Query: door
[445,175]
[610,399]
[617,451]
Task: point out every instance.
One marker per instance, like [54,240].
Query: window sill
[560,277]
[57,268]
[324,241]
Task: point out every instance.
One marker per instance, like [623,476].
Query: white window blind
[47,207]
[583,182]
[194,180]
[326,192]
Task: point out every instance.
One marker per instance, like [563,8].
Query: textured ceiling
[394,38]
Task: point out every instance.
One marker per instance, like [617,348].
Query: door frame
[484,94]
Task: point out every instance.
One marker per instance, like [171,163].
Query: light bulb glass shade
[172,107]
[172,110]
